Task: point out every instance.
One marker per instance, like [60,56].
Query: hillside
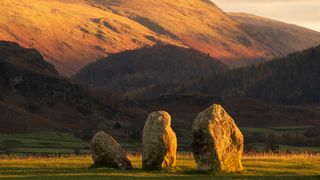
[29,59]
[70,34]
[141,72]
[290,80]
[199,24]
[168,70]
[257,120]
[246,112]
[34,97]
[272,94]
[73,33]
[277,37]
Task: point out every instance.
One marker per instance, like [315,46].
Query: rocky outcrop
[217,142]
[29,59]
[159,143]
[106,152]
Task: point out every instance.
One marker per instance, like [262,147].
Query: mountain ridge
[288,80]
[135,71]
[73,33]
[70,34]
[198,24]
[278,37]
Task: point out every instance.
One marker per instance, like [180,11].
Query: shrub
[249,148]
[32,107]
[117,125]
[272,147]
[313,132]
[86,134]
[77,151]
[135,134]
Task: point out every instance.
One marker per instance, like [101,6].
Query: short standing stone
[106,152]
[159,142]
[217,142]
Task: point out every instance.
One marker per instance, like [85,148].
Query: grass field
[67,143]
[23,166]
[260,166]
[42,142]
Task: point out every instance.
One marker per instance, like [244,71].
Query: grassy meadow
[52,155]
[66,143]
[261,166]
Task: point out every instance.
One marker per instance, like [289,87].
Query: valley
[81,109]
[72,68]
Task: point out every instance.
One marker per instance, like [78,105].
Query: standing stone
[217,142]
[159,142]
[106,152]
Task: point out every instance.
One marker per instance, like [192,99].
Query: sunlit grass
[76,167]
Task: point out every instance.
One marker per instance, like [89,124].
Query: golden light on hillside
[71,35]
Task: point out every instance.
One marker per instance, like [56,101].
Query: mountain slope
[34,97]
[71,34]
[140,72]
[199,24]
[27,84]
[235,39]
[277,37]
[167,70]
[29,59]
[290,80]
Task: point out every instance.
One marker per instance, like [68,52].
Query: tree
[117,125]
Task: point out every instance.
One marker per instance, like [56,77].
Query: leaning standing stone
[217,142]
[106,152]
[159,142]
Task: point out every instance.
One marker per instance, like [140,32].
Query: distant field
[42,142]
[260,166]
[67,143]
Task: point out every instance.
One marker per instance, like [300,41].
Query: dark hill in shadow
[143,72]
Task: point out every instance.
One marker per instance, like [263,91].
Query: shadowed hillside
[290,80]
[29,59]
[168,70]
[259,121]
[34,97]
[245,93]
[142,72]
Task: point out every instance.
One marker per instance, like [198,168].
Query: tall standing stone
[217,142]
[159,142]
[106,152]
